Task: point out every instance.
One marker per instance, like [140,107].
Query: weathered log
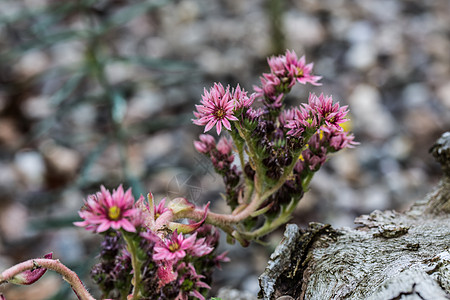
[391,255]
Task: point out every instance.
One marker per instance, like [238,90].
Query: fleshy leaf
[189,228]
[180,204]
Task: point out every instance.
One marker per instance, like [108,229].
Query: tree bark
[391,255]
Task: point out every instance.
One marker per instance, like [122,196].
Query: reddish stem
[53,264]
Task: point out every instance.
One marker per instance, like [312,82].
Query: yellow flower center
[321,134]
[157,216]
[174,247]
[220,113]
[114,212]
[299,72]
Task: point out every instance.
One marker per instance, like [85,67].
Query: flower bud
[30,276]
[224,146]
[206,143]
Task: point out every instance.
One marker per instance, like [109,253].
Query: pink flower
[103,211]
[277,65]
[270,89]
[216,110]
[252,114]
[299,69]
[154,217]
[299,119]
[225,146]
[221,258]
[161,208]
[177,246]
[314,160]
[286,116]
[241,99]
[338,140]
[190,274]
[165,272]
[206,143]
[329,113]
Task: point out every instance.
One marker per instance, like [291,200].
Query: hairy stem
[306,181]
[268,227]
[52,264]
[131,247]
[252,153]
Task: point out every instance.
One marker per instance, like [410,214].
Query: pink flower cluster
[326,140]
[219,106]
[286,70]
[171,254]
[188,272]
[320,111]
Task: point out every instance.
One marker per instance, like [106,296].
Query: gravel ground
[388,60]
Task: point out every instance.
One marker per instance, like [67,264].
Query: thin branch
[52,264]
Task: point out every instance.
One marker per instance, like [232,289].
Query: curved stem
[52,264]
[221,220]
[307,181]
[268,227]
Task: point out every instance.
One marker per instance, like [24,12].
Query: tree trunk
[390,256]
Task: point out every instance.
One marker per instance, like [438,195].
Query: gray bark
[391,255]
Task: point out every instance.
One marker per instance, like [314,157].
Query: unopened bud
[30,276]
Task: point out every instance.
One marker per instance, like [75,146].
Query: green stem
[253,157]
[306,181]
[249,185]
[240,149]
[131,247]
[268,227]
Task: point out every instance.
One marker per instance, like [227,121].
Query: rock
[233,294]
[62,163]
[391,255]
[369,114]
[361,56]
[13,221]
[31,168]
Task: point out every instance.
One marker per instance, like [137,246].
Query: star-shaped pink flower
[216,109]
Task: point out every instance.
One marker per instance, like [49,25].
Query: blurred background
[102,92]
